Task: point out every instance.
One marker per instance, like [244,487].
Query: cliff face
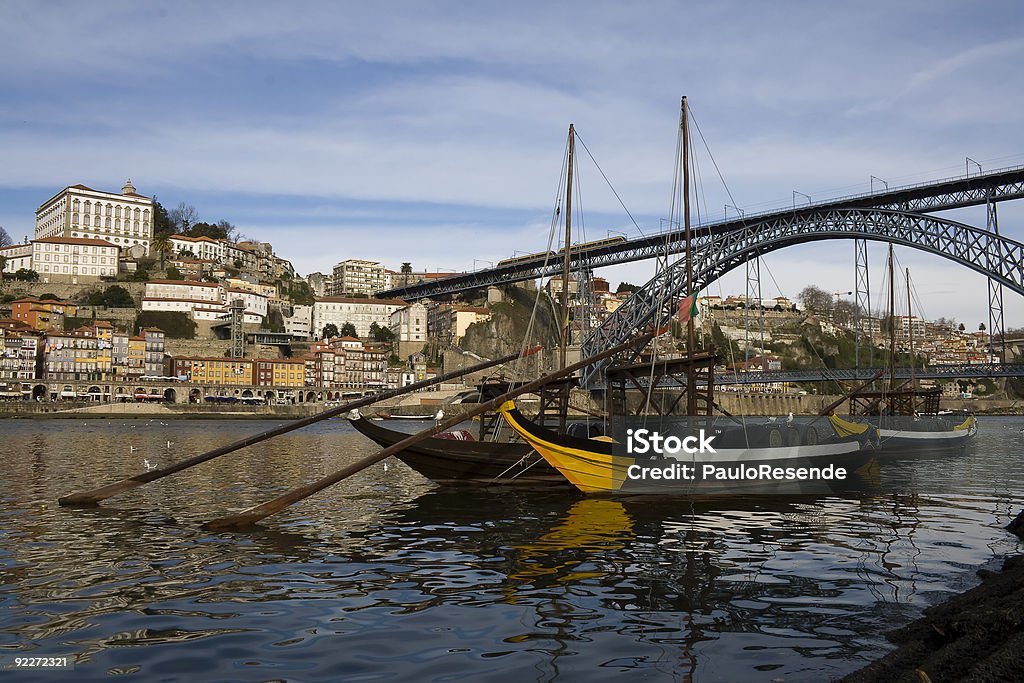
[505,332]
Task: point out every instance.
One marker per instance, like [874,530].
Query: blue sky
[432,132]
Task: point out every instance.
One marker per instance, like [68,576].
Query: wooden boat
[603,465]
[737,458]
[449,461]
[907,417]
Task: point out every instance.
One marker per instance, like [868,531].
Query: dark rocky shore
[976,636]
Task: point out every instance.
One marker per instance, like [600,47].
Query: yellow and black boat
[767,458]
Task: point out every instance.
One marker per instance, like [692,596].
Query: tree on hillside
[162,223]
[114,296]
[348,330]
[406,271]
[815,299]
[184,216]
[381,334]
[5,239]
[626,287]
[26,275]
[173,273]
[161,245]
[3,263]
[330,331]
[216,231]
[229,230]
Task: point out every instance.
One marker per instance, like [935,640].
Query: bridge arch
[715,253]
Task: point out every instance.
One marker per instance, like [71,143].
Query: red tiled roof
[174,298]
[190,283]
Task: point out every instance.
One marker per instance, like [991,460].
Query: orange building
[42,315]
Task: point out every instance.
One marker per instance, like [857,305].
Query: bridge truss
[989,188]
[716,252]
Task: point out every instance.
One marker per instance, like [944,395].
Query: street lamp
[734,208]
[873,179]
[968,161]
[805,196]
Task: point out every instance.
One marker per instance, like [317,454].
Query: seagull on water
[385,467]
[148,466]
[132,449]
[170,443]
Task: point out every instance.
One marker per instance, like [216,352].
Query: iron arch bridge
[717,252]
[942,195]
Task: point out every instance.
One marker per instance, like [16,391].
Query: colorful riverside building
[101,353]
[262,372]
[209,370]
[280,373]
[21,352]
[42,314]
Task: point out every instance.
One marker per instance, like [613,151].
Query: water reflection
[386,576]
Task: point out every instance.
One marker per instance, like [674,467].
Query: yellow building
[225,371]
[136,356]
[272,372]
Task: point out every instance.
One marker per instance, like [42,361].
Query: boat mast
[691,341]
[566,251]
[892,323]
[910,330]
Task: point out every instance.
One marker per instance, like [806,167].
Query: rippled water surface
[387,577]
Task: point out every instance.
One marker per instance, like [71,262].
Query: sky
[434,132]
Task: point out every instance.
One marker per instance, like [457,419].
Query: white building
[205,248]
[74,259]
[202,300]
[360,312]
[299,323]
[409,324]
[125,220]
[16,257]
[356,276]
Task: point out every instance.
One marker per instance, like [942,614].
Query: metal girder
[958,371]
[940,195]
[716,253]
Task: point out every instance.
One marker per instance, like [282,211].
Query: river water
[387,577]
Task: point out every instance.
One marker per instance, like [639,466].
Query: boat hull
[597,467]
[451,462]
[908,437]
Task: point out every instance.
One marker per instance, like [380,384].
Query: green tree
[114,296]
[26,275]
[3,263]
[330,331]
[406,271]
[161,221]
[5,238]
[348,330]
[140,275]
[381,334]
[626,287]
[174,274]
[161,245]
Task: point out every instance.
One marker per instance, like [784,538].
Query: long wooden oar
[827,410]
[96,495]
[249,517]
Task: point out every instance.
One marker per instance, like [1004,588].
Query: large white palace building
[125,220]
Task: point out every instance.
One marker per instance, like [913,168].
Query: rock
[1016,527]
